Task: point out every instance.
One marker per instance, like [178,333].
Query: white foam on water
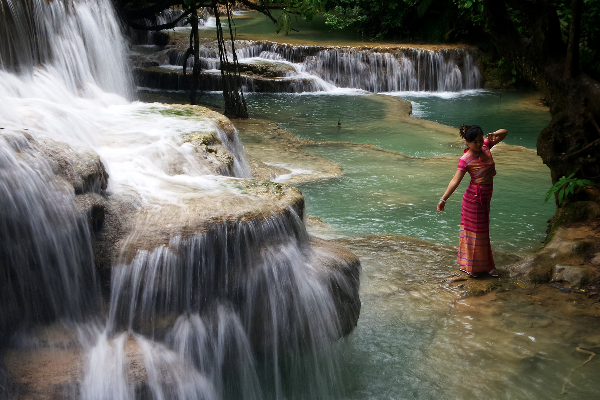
[293,172]
[443,95]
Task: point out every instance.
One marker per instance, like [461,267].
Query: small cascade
[238,305]
[446,70]
[46,261]
[315,68]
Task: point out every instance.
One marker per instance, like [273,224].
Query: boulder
[567,258]
[342,269]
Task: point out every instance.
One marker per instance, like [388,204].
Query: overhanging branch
[161,27]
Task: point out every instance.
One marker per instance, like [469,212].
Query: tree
[571,143]
[428,20]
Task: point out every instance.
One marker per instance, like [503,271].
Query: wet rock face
[226,249]
[342,268]
[267,69]
[568,259]
[82,168]
[247,201]
[208,147]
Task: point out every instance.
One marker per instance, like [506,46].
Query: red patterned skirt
[474,249]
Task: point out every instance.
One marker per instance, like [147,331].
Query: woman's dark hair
[470,132]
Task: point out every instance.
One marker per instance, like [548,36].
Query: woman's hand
[440,206]
[498,136]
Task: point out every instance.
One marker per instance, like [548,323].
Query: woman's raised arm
[497,137]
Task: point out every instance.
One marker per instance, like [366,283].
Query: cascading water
[239,310]
[46,261]
[247,303]
[78,41]
[375,70]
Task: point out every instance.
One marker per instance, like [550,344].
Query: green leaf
[548,196]
[561,194]
[569,190]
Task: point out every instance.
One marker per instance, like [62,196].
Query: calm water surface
[397,191]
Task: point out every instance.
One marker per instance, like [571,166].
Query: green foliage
[566,186]
[284,22]
[430,20]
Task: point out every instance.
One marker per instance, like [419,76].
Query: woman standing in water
[474,249]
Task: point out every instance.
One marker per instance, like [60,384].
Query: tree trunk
[195,45]
[571,143]
[572,62]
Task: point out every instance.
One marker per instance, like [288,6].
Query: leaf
[583,182]
[521,285]
[561,194]
[548,197]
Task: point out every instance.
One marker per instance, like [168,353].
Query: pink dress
[474,249]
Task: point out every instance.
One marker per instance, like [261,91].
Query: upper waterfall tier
[276,67]
[379,69]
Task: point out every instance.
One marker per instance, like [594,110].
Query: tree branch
[148,12]
[169,25]
[572,61]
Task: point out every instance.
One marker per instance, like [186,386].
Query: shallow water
[417,338]
[396,191]
[520,112]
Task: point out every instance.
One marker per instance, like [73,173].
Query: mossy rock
[572,213]
[200,138]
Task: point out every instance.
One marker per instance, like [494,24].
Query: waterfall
[407,70]
[317,68]
[46,262]
[235,306]
[241,307]
[79,41]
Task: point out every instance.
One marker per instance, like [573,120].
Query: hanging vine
[235,104]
